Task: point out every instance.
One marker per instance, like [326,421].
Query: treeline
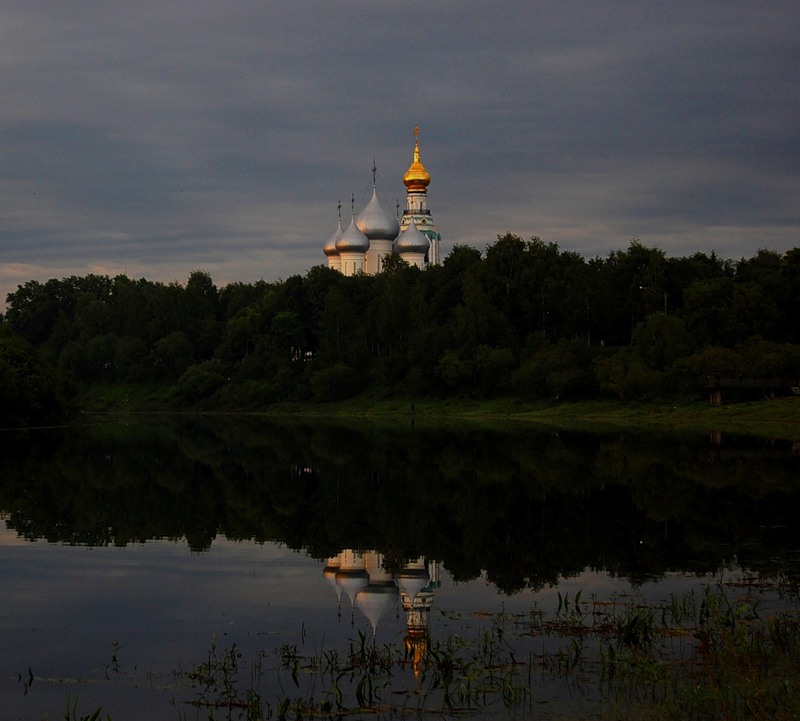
[522,318]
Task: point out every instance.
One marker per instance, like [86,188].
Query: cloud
[165,137]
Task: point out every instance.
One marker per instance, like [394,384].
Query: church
[374,234]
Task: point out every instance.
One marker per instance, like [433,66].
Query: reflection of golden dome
[416,177]
[416,644]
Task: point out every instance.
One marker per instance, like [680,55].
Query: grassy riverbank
[769,418]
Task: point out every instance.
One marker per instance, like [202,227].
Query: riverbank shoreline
[768,418]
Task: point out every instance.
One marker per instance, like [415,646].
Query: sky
[156,138]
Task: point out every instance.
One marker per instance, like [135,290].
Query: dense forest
[523,319]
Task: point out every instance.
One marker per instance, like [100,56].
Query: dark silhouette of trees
[31,392]
[523,318]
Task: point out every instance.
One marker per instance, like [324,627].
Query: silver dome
[352,240]
[375,222]
[330,246]
[412,241]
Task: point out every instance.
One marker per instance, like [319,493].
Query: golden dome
[416,177]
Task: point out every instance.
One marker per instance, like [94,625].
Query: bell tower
[416,180]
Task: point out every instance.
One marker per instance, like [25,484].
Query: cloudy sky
[155,137]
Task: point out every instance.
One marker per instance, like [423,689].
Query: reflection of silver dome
[381,593]
[412,578]
[374,600]
[352,240]
[412,241]
[330,247]
[351,583]
[330,570]
[375,222]
[351,576]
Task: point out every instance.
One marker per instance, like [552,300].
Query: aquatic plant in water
[715,654]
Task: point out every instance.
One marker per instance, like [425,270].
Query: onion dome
[329,572]
[351,576]
[352,240]
[375,222]
[351,583]
[375,600]
[412,241]
[416,177]
[330,246]
[412,578]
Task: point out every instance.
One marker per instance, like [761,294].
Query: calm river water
[165,568]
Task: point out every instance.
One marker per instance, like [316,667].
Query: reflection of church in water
[374,234]
[374,590]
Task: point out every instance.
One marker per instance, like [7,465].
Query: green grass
[768,418]
[775,419]
[114,398]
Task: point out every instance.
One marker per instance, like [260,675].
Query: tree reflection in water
[525,506]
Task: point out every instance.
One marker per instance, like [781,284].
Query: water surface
[127,551]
